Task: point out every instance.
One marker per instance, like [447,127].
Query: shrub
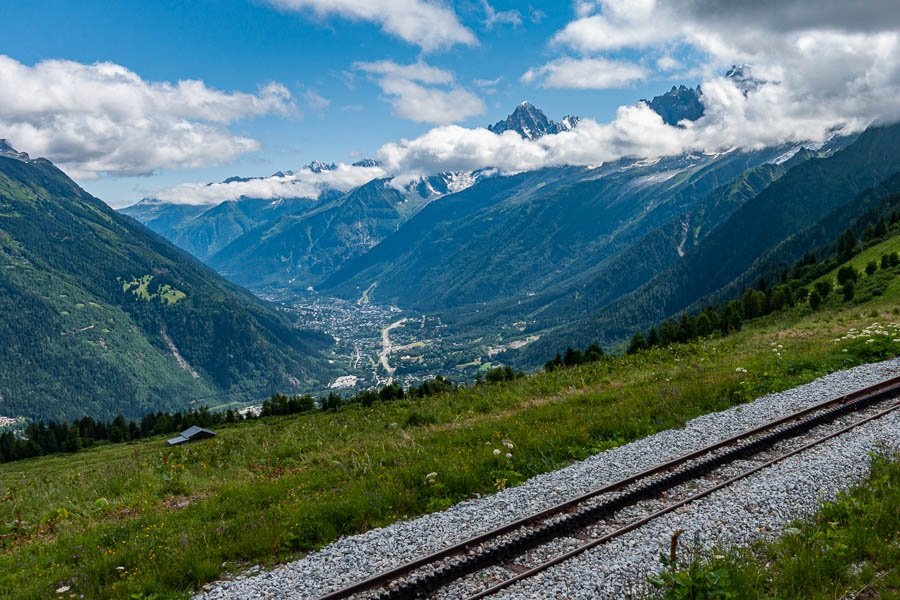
[871,268]
[846,274]
[815,300]
[848,290]
[823,288]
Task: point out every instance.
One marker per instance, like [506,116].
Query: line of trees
[41,439]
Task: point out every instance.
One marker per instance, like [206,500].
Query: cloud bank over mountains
[822,68]
[825,67]
[105,119]
[303,183]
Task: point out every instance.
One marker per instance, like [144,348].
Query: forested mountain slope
[100,316]
[303,248]
[203,230]
[509,238]
[651,254]
[806,194]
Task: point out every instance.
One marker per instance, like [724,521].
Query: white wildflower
[508,456]
[496,452]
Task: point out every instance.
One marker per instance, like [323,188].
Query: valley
[313,300]
[376,344]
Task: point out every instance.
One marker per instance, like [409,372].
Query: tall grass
[134,520]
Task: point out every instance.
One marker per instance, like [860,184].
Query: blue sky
[332,101]
[239,45]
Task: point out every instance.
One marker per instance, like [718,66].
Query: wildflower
[62,590]
[508,456]
[496,452]
[430,478]
[508,444]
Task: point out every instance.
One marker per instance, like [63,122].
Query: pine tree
[637,344]
[847,244]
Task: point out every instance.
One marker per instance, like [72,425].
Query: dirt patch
[180,502]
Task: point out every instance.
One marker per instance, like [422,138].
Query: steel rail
[879,389]
[631,526]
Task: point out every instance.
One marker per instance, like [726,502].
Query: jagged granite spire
[678,103]
[318,166]
[531,123]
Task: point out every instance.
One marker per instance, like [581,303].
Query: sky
[136,99]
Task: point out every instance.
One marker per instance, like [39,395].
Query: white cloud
[668,63]
[487,82]
[492,16]
[403,86]
[789,108]
[103,118]
[828,66]
[300,184]
[427,24]
[315,102]
[584,73]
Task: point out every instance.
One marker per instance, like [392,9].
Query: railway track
[603,514]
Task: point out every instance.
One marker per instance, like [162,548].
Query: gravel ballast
[753,508]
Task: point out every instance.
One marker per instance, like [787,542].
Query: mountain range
[579,254]
[531,123]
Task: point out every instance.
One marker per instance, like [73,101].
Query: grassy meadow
[142,520]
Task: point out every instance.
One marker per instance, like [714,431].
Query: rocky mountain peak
[531,123]
[317,166]
[366,162]
[743,78]
[678,103]
[10,152]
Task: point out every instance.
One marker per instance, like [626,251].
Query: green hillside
[203,230]
[99,316]
[302,249]
[804,196]
[175,518]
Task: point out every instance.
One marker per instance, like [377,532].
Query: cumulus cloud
[788,107]
[584,73]
[104,118]
[303,183]
[429,25]
[423,93]
[826,68]
[668,63]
